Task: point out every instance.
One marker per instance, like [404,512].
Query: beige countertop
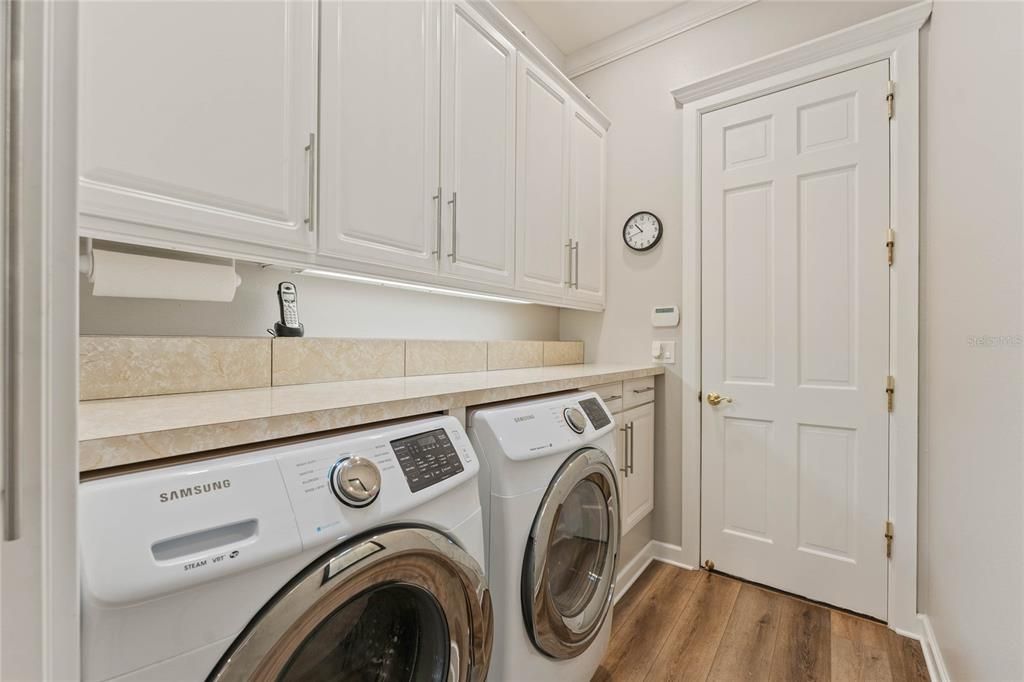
[127,431]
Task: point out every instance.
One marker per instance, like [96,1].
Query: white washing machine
[352,557]
[551,510]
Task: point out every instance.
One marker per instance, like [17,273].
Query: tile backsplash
[134,366]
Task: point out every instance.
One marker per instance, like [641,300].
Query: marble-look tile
[310,360]
[563,353]
[444,357]
[128,366]
[514,354]
[134,430]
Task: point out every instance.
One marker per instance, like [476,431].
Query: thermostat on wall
[665,316]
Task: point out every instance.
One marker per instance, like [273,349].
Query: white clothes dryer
[551,510]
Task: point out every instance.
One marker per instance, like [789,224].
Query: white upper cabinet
[542,188]
[586,210]
[195,119]
[380,133]
[478,154]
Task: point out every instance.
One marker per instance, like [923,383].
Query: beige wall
[971,396]
[327,308]
[645,172]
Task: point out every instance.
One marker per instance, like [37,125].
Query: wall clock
[642,231]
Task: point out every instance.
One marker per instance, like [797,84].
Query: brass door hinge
[890,390]
[888,539]
[890,244]
[890,98]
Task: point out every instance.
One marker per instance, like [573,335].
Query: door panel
[795,290]
[479,107]
[542,187]
[181,131]
[587,219]
[379,159]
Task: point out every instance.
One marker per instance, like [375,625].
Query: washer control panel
[427,458]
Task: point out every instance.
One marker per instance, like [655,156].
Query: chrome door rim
[418,557]
[555,635]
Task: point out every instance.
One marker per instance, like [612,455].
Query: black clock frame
[661,231]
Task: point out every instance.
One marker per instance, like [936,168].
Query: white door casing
[542,183]
[181,128]
[795,329]
[478,148]
[587,209]
[380,139]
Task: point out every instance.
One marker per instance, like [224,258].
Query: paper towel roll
[132,276]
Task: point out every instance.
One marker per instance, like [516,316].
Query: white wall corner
[937,670]
[649,32]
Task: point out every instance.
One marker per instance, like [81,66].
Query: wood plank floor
[675,624]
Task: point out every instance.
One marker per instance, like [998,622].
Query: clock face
[642,231]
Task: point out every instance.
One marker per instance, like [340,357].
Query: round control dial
[575,419]
[355,481]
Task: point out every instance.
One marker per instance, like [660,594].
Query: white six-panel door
[196,116]
[795,309]
[479,114]
[542,183]
[380,81]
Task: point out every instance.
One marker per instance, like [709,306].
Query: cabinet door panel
[479,149]
[380,79]
[195,116]
[640,482]
[542,187]
[587,215]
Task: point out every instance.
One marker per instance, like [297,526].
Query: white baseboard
[932,654]
[653,550]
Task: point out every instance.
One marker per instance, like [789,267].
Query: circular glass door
[569,571]
[390,632]
[403,605]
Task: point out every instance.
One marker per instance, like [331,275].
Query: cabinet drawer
[637,392]
[611,394]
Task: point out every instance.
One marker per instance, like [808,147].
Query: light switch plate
[668,353]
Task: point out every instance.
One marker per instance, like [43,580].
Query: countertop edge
[149,446]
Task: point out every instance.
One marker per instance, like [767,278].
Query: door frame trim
[893,36]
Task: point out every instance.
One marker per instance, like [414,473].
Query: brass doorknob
[716,399]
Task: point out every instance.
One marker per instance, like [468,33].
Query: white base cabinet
[430,142]
[632,406]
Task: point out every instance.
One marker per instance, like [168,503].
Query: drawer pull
[643,390]
[613,397]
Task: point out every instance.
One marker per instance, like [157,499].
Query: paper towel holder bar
[127,275]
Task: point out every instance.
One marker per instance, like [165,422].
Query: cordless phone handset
[288,301]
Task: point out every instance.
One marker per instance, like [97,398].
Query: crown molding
[876,30]
[650,32]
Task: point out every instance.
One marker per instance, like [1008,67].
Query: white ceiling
[576,24]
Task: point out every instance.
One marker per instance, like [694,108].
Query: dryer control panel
[538,427]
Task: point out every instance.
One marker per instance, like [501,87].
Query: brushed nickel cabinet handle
[613,397]
[311,182]
[643,390]
[576,264]
[568,252]
[437,225]
[453,202]
[12,180]
[632,446]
